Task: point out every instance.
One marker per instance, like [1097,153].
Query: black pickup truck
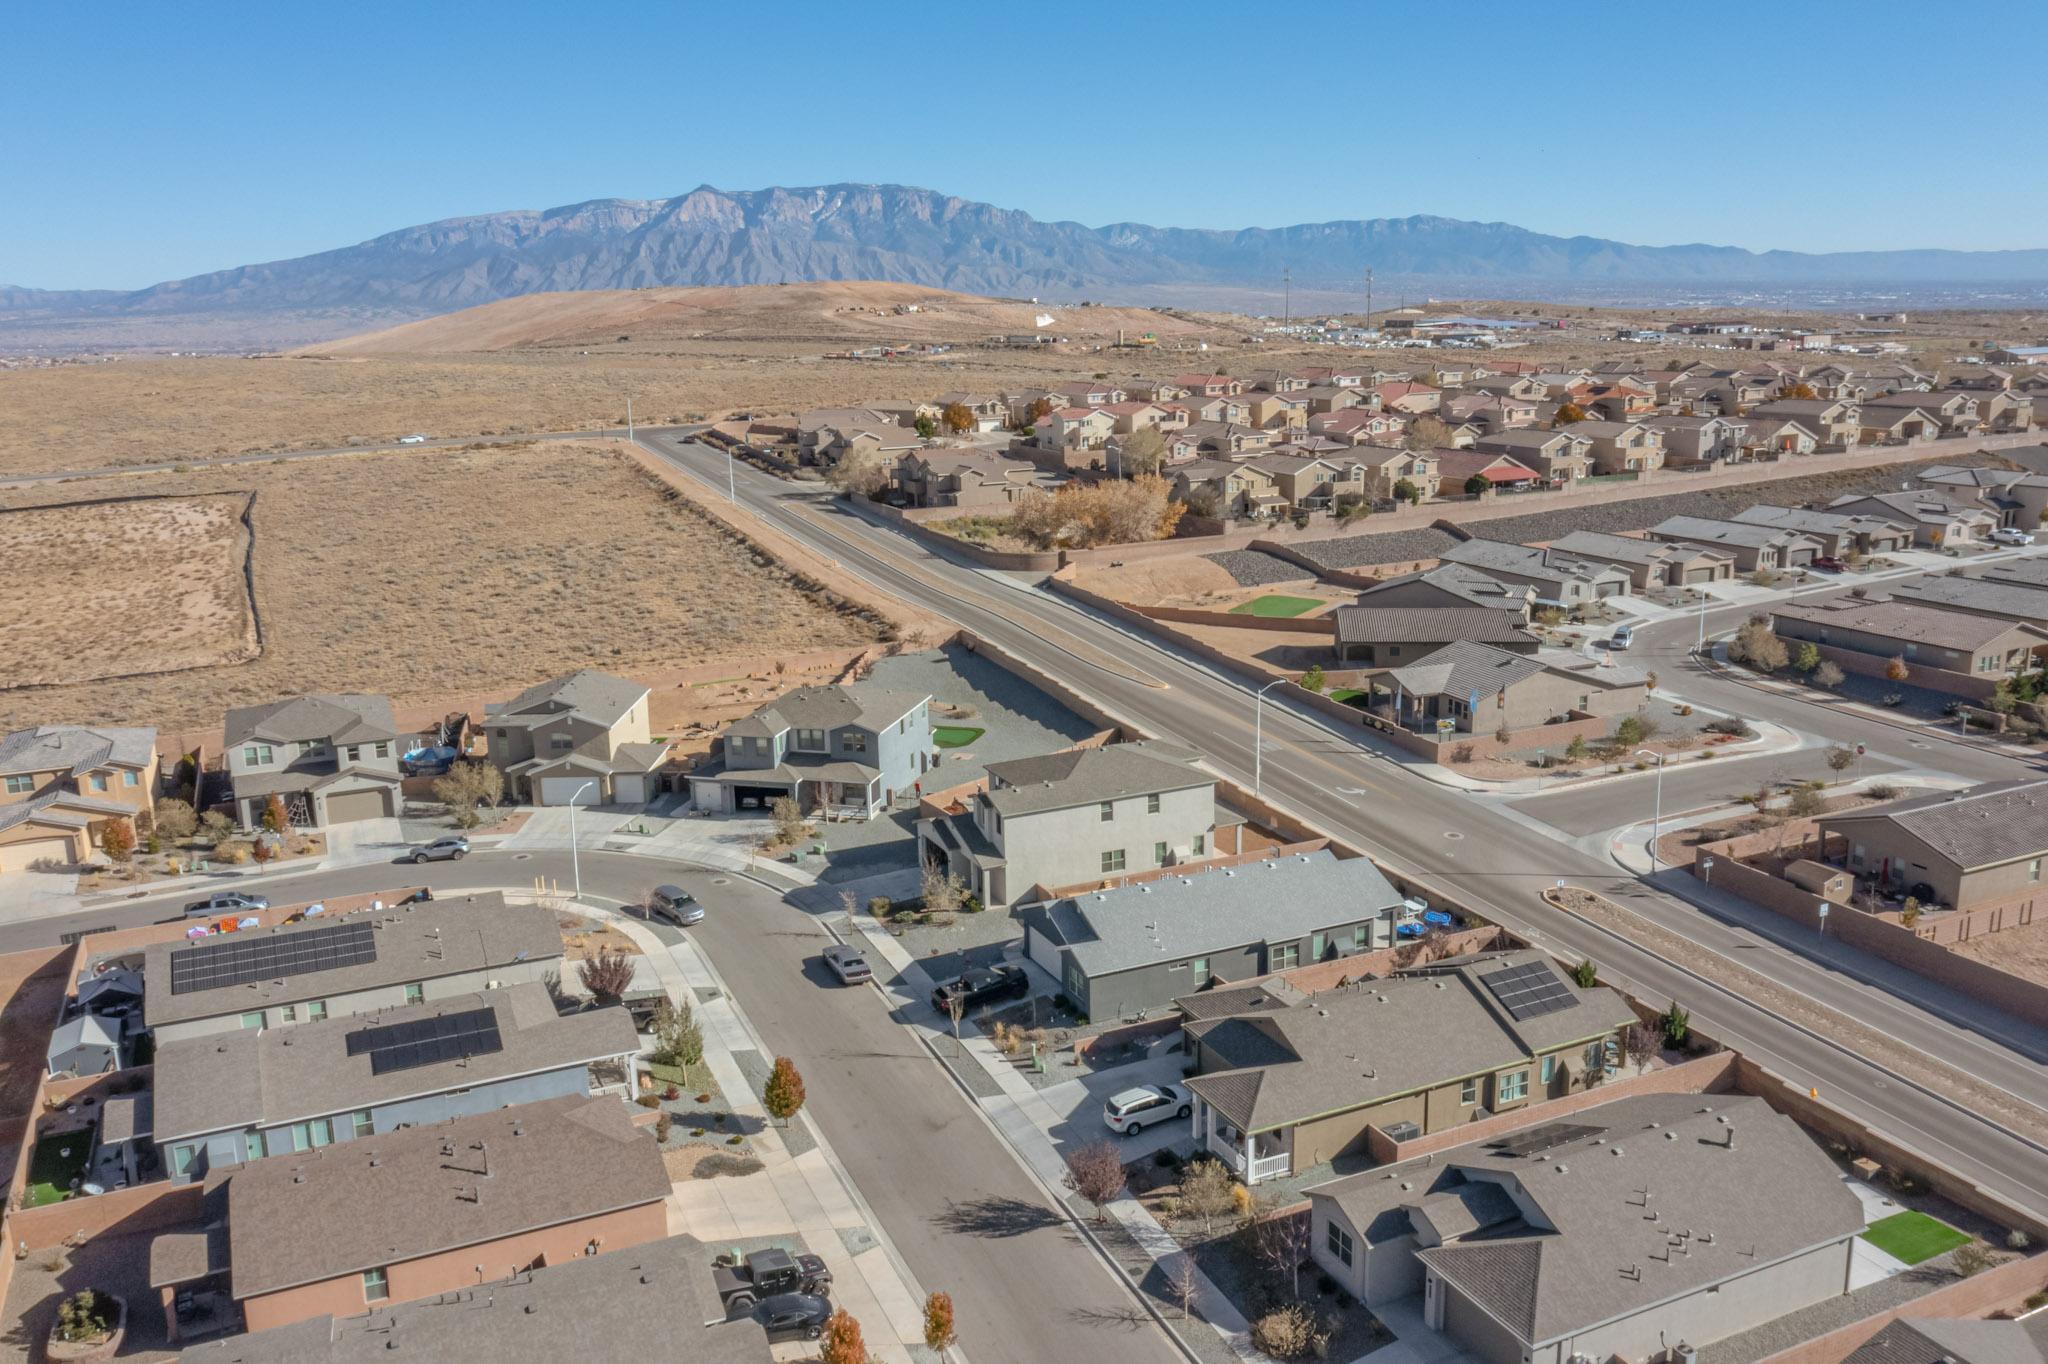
[764,1274]
[981,985]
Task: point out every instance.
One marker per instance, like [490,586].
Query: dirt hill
[832,314]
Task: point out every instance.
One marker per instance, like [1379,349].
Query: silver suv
[451,849]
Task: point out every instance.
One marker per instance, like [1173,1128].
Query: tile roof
[1833,523]
[259,1077]
[1201,912]
[418,942]
[1085,776]
[1703,530]
[1527,561]
[1980,596]
[1463,581]
[337,718]
[1943,1340]
[1978,826]
[1465,669]
[1629,549]
[1748,1184]
[1374,1040]
[1429,625]
[400,1195]
[652,1301]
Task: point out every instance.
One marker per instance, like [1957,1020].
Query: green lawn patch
[955,736]
[1913,1236]
[1275,606]
[1355,697]
[50,1171]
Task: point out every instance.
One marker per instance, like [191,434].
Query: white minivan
[1131,1111]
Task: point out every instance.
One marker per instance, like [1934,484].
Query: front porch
[1251,1156]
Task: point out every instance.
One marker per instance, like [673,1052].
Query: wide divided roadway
[959,1207]
[1492,862]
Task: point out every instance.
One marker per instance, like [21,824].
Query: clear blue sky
[141,142]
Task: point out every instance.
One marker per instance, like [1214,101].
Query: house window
[359,1122]
[383,750]
[1200,845]
[1287,956]
[1159,851]
[2034,870]
[17,785]
[1339,1242]
[253,1020]
[322,1130]
[415,993]
[131,778]
[1113,860]
[354,752]
[1151,805]
[316,1009]
[561,743]
[99,781]
[1315,947]
[1549,1069]
[1512,1086]
[256,755]
[1361,937]
[1468,1093]
[811,740]
[376,1285]
[1108,811]
[181,1158]
[288,1014]
[1201,966]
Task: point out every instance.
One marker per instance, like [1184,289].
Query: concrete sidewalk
[801,1195]
[1029,1119]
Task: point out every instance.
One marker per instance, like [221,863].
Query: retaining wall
[146,1207]
[913,519]
[1917,674]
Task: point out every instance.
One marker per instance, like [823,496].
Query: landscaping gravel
[1256,568]
[1617,517]
[1389,547]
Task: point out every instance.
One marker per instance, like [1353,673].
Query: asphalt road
[961,1211]
[1688,785]
[1495,863]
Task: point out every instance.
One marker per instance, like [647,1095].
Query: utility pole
[629,416]
[1368,298]
[1287,294]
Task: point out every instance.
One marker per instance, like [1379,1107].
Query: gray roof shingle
[1978,826]
[1086,776]
[334,718]
[75,749]
[828,708]
[599,697]
[1429,625]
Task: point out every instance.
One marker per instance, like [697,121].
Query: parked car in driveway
[225,902]
[1827,563]
[793,1316]
[1131,1111]
[846,962]
[765,1275]
[2012,535]
[1621,637]
[453,848]
[981,985]
[674,905]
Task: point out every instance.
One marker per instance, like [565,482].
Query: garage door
[346,807]
[22,856]
[630,789]
[560,790]
[1699,575]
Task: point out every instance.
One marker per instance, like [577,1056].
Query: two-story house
[1078,816]
[1837,422]
[60,785]
[224,1098]
[845,750]
[1694,440]
[582,739]
[1560,456]
[331,759]
[1387,467]
[1622,447]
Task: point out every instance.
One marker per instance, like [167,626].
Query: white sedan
[416,438]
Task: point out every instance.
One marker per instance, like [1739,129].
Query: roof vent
[1617,1150]
[529,1309]
[1563,1169]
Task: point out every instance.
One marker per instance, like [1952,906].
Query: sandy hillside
[842,313]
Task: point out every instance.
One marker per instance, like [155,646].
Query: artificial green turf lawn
[1275,606]
[1345,694]
[1913,1236]
[955,736]
[50,1174]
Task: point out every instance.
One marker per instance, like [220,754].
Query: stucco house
[1130,950]
[1562,457]
[1837,422]
[1075,817]
[1976,848]
[1650,563]
[1754,547]
[1481,689]
[1452,585]
[331,759]
[968,479]
[1940,645]
[1651,1223]
[1622,446]
[847,750]
[1280,1090]
[584,738]
[1937,519]
[1384,636]
[1559,579]
[61,784]
[1696,440]
[1839,533]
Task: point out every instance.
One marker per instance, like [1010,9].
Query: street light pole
[575,862]
[1657,813]
[1701,647]
[1259,735]
[629,416]
[731,488]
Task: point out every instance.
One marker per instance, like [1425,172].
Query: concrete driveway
[1079,1103]
[34,894]
[364,842]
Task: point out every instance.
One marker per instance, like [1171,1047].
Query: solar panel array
[1529,990]
[236,960]
[427,1041]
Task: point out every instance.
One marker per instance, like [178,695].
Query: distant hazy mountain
[891,232]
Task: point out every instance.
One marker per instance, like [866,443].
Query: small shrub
[1881,790]
[1971,1259]
[734,1140]
[85,1315]
[1461,753]
[1291,1332]
[671,1093]
[2017,1240]
[649,1101]
[663,1125]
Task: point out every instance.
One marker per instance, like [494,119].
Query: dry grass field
[441,573]
[100,589]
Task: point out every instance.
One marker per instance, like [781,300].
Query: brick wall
[1702,1075]
[1881,935]
[158,1206]
[1917,674]
[2005,1286]
[1299,625]
[1327,975]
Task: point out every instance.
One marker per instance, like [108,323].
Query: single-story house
[1977,597]
[1452,585]
[1838,534]
[1985,648]
[1753,547]
[1650,563]
[1658,1222]
[1480,689]
[1981,846]
[1388,636]
[1937,520]
[1559,579]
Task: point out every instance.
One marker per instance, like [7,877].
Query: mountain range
[893,232]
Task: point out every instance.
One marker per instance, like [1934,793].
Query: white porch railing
[1257,1168]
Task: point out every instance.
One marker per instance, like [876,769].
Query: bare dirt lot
[2022,951]
[145,585]
[442,573]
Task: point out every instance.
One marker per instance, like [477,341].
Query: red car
[1828,564]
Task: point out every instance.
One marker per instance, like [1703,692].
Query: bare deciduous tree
[608,975]
[1096,1172]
